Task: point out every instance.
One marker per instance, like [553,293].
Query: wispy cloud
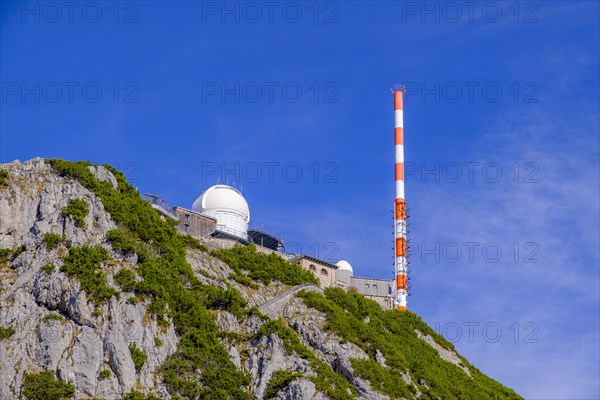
[559,213]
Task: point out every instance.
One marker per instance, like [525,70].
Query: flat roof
[194,212]
[373,279]
[327,264]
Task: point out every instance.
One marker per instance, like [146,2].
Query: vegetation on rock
[53,317]
[263,267]
[333,385]
[6,332]
[4,178]
[7,255]
[279,380]
[51,240]
[78,210]
[45,386]
[84,263]
[393,334]
[120,241]
[125,278]
[48,268]
[135,395]
[137,355]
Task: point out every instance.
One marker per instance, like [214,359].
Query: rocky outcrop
[445,354]
[56,327]
[275,307]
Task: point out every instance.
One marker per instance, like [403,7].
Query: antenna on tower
[400,243]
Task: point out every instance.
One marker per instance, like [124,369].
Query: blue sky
[290,102]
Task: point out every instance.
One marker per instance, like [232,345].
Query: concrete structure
[400,253]
[380,290]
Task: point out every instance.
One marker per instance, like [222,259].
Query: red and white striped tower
[401,262]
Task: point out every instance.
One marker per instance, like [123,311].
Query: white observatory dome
[228,206]
[344,265]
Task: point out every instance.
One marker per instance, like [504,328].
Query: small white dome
[344,265]
[222,197]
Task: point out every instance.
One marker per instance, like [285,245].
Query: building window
[186,227]
[375,286]
[323,271]
[312,267]
[367,285]
[186,217]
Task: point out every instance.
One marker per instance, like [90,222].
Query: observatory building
[221,211]
[228,207]
[220,217]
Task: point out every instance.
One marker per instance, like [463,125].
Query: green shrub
[135,395]
[138,356]
[255,311]
[5,333]
[157,341]
[325,380]
[393,333]
[279,380]
[384,380]
[53,317]
[263,267]
[217,298]
[5,255]
[84,264]
[120,241]
[193,243]
[288,336]
[4,178]
[78,210]
[48,268]
[105,373]
[244,280]
[18,251]
[45,386]
[126,279]
[51,240]
[231,337]
[10,254]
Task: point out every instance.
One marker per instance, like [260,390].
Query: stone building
[324,271]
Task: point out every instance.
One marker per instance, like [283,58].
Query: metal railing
[231,231]
[162,206]
[268,232]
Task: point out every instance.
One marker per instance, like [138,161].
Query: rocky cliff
[101,292]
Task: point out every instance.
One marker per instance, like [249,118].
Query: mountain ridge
[102,292]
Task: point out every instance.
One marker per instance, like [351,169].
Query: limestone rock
[89,338]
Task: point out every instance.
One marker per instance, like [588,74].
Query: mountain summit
[102,298]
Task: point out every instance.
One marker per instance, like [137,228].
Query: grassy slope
[393,333]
